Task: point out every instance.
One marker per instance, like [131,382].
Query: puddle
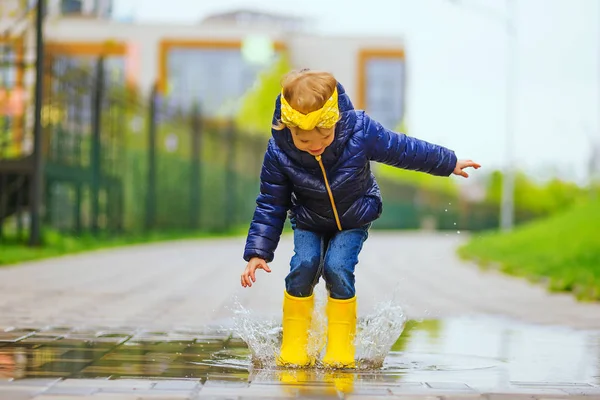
[479,351]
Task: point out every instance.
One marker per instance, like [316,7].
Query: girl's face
[314,141]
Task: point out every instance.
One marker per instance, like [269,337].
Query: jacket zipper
[335,213]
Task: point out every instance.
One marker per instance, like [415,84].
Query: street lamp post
[508,182]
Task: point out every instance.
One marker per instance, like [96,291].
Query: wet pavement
[454,358]
[155,322]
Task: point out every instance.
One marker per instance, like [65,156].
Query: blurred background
[127,120]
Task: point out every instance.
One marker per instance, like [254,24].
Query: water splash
[376,332]
[317,337]
[263,336]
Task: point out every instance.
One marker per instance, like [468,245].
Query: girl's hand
[248,276]
[462,164]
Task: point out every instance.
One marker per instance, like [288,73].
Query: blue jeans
[332,255]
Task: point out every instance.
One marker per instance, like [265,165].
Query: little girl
[317,168]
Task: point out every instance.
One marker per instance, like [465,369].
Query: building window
[68,7]
[74,79]
[100,8]
[384,87]
[214,78]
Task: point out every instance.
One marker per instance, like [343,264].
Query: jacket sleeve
[402,151]
[272,205]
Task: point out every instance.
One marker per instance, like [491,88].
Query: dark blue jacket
[291,180]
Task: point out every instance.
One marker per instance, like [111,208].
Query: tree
[538,199]
[256,109]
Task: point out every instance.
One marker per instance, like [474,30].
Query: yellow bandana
[326,117]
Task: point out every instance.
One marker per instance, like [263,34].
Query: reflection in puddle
[481,352]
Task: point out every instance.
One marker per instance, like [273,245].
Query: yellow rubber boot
[297,317]
[341,330]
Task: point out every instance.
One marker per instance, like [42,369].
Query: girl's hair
[306,91]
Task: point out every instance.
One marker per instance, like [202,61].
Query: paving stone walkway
[129,323]
[102,389]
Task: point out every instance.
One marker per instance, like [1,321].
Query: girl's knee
[340,280]
[300,284]
[303,275]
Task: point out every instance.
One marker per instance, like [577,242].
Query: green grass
[562,251]
[13,251]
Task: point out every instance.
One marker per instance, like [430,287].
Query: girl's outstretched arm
[272,205]
[402,151]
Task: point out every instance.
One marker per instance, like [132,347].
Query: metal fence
[117,163]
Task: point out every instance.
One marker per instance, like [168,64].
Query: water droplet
[446,210]
[455,224]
